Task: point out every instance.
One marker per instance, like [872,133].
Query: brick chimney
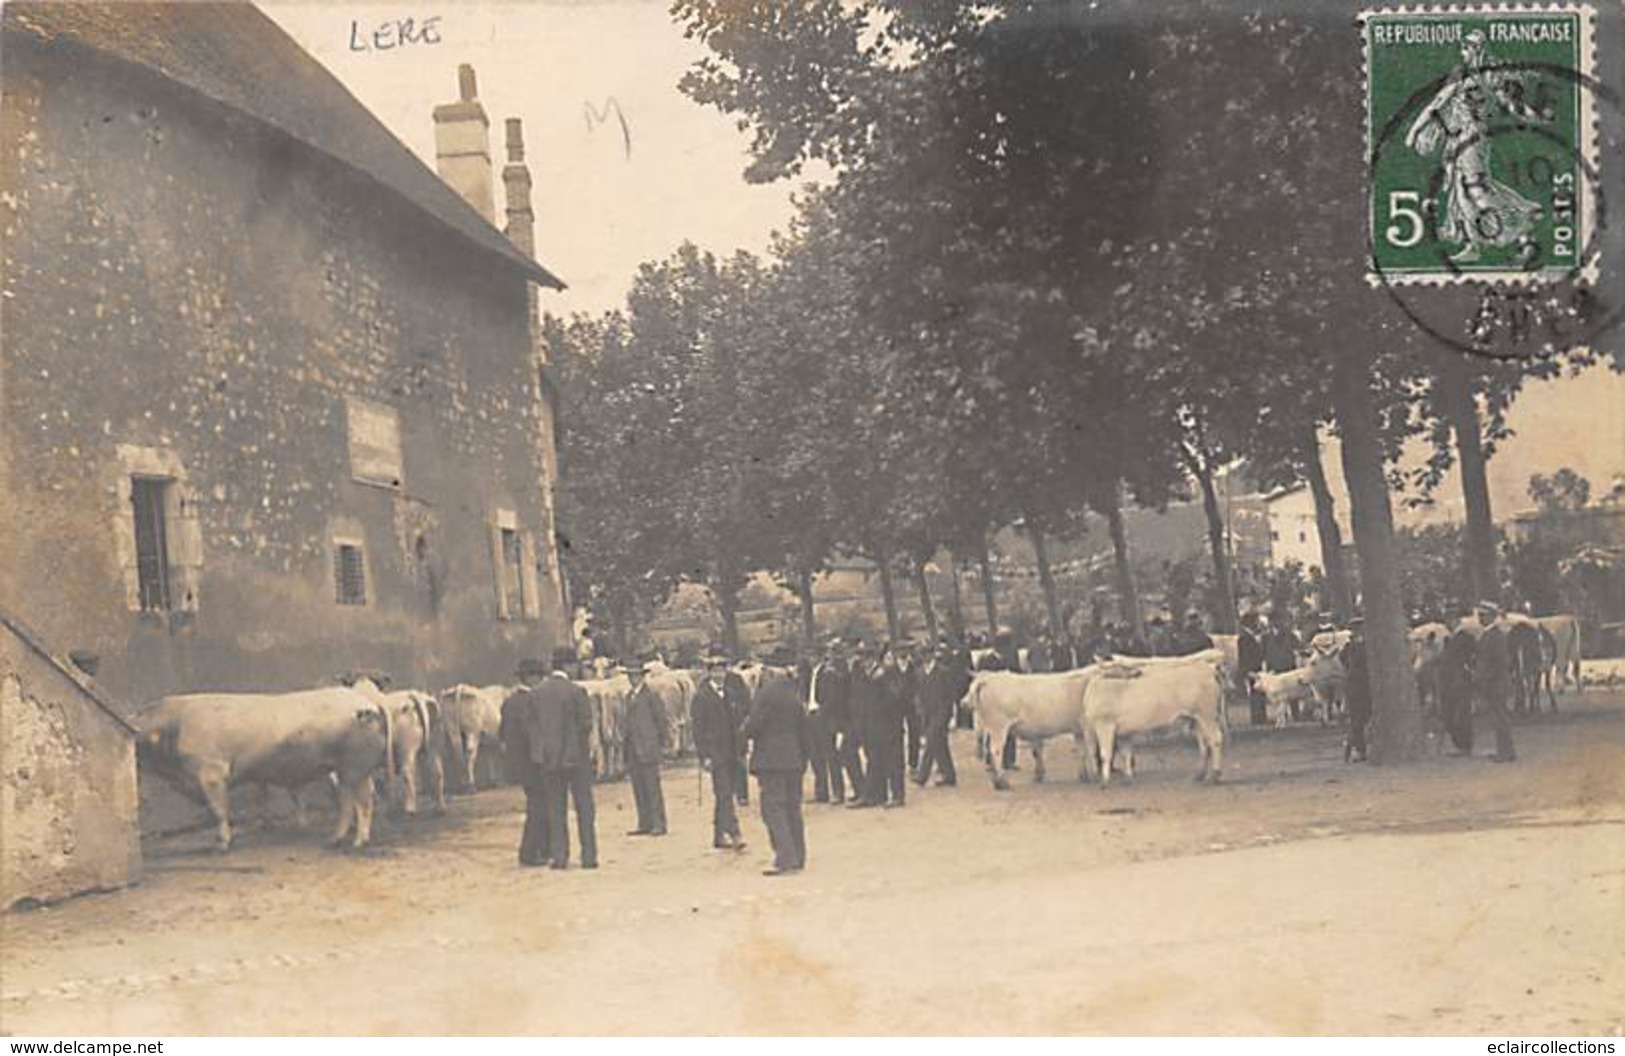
[521,226]
[462,145]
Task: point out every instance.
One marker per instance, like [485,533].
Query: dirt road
[1301,896]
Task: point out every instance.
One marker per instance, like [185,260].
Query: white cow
[473,720]
[1143,695]
[417,735]
[751,674]
[1565,632]
[1033,708]
[206,743]
[1316,682]
[676,688]
[608,696]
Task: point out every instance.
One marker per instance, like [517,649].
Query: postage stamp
[1483,144]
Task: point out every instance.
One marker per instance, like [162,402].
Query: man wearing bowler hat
[563,723]
[646,733]
[777,731]
[522,758]
[720,708]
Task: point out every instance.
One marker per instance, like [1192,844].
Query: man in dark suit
[938,681]
[1249,662]
[562,729]
[645,733]
[1492,677]
[828,715]
[885,707]
[720,709]
[522,756]
[777,731]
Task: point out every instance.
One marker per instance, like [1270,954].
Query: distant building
[1294,535]
[273,405]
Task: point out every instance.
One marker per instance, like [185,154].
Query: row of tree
[1066,259]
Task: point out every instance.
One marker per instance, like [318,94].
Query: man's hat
[715,654]
[531,667]
[1489,606]
[635,665]
[779,656]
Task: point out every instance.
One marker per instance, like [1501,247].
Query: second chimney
[462,145]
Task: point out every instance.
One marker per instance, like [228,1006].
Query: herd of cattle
[207,743]
[347,735]
[1545,654]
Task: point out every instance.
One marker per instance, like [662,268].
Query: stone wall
[67,782]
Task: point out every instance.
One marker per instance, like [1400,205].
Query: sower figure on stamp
[1492,676]
[522,758]
[564,725]
[777,731]
[1480,212]
[718,716]
[645,733]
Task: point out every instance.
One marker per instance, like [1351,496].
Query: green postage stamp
[1483,144]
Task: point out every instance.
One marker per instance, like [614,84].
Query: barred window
[149,496]
[349,574]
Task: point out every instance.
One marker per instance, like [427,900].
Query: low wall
[68,801]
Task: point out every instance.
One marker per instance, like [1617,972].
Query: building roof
[233,54]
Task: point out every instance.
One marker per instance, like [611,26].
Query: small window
[1275,535]
[1303,537]
[349,574]
[150,497]
[512,563]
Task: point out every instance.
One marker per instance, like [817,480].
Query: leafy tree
[1561,492]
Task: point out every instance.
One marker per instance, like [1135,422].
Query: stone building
[271,401]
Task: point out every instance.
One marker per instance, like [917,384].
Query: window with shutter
[512,578]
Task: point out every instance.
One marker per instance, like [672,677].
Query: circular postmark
[1487,204]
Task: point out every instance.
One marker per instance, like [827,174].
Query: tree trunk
[926,608]
[1046,578]
[1396,719]
[988,598]
[1128,598]
[956,604]
[1460,409]
[888,594]
[727,598]
[1224,614]
[1337,598]
[809,619]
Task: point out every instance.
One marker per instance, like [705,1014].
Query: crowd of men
[868,717]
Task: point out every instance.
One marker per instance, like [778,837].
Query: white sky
[599,213]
